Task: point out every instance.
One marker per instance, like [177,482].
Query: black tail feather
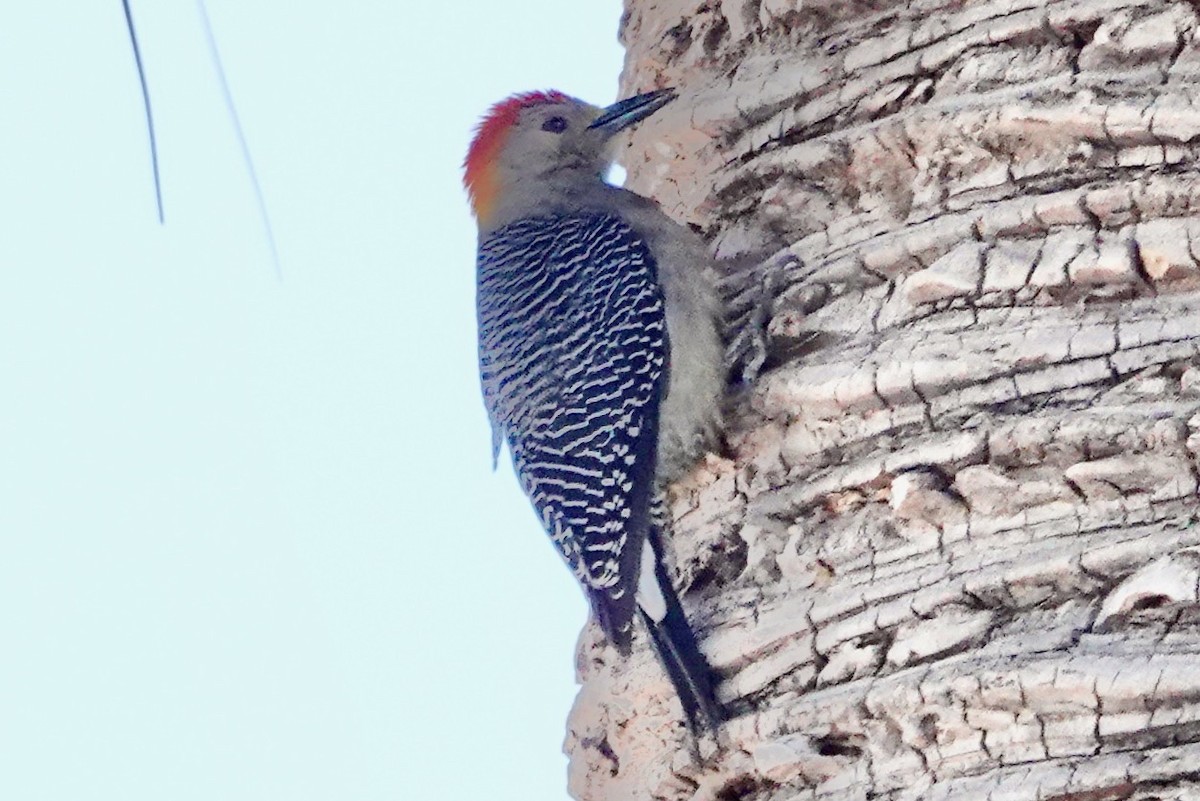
[686,667]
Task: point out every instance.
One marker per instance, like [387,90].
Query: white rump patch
[649,594]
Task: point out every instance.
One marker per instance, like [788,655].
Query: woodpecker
[600,356]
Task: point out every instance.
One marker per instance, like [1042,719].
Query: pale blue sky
[250,543]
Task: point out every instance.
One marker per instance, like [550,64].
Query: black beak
[623,113]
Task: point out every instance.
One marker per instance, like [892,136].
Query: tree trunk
[950,552]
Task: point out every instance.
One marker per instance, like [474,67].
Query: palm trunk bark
[951,551]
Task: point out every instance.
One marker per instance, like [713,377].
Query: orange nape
[479,177]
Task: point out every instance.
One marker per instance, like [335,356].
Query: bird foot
[750,303]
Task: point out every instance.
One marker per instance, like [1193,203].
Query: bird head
[536,136]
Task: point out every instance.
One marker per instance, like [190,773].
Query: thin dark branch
[237,124]
[137,57]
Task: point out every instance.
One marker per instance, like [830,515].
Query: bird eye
[555,125]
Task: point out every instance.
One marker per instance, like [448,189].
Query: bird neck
[557,192]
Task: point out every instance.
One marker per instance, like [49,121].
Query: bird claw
[751,300]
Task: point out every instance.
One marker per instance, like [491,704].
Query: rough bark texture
[951,552]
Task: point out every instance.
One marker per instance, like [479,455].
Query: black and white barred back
[573,359]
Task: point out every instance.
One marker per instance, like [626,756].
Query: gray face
[553,137]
